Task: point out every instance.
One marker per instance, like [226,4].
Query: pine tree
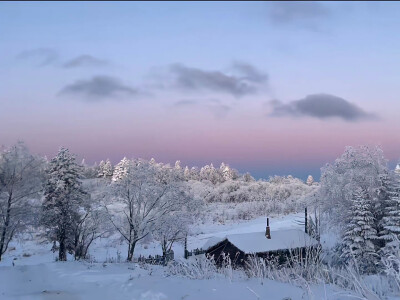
[397,169]
[310,180]
[101,169]
[178,165]
[63,196]
[121,169]
[358,239]
[391,220]
[379,206]
[105,169]
[186,173]
[227,172]
[108,169]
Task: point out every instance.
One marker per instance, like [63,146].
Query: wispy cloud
[249,72]
[40,56]
[195,79]
[322,106]
[305,14]
[99,88]
[85,61]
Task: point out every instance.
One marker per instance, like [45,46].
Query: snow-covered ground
[75,280]
[36,275]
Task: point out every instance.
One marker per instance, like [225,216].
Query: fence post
[186,252]
[305,221]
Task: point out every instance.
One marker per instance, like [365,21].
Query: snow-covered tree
[358,167]
[227,172]
[397,169]
[105,169]
[310,180]
[141,199]
[391,220]
[178,165]
[186,173]
[93,222]
[121,169]
[172,228]
[108,169]
[358,239]
[100,173]
[248,178]
[63,198]
[90,171]
[208,172]
[20,185]
[194,173]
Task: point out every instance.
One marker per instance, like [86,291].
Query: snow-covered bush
[311,270]
[198,267]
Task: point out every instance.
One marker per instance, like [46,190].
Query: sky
[271,88]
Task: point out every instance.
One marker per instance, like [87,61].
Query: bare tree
[87,230]
[140,199]
[93,223]
[20,185]
[172,228]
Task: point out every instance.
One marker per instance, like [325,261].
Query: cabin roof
[256,242]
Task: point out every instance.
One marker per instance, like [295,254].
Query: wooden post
[186,252]
[305,221]
[267,230]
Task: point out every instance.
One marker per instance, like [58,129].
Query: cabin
[268,245]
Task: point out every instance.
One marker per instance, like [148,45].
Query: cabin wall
[282,256]
[237,256]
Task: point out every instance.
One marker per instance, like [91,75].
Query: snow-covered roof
[256,242]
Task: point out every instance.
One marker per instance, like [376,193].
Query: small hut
[268,245]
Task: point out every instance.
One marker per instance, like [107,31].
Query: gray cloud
[320,106]
[249,72]
[85,61]
[99,87]
[304,14]
[196,79]
[41,56]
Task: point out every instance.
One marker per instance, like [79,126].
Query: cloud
[304,14]
[99,87]
[195,79]
[85,61]
[42,56]
[322,106]
[249,72]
